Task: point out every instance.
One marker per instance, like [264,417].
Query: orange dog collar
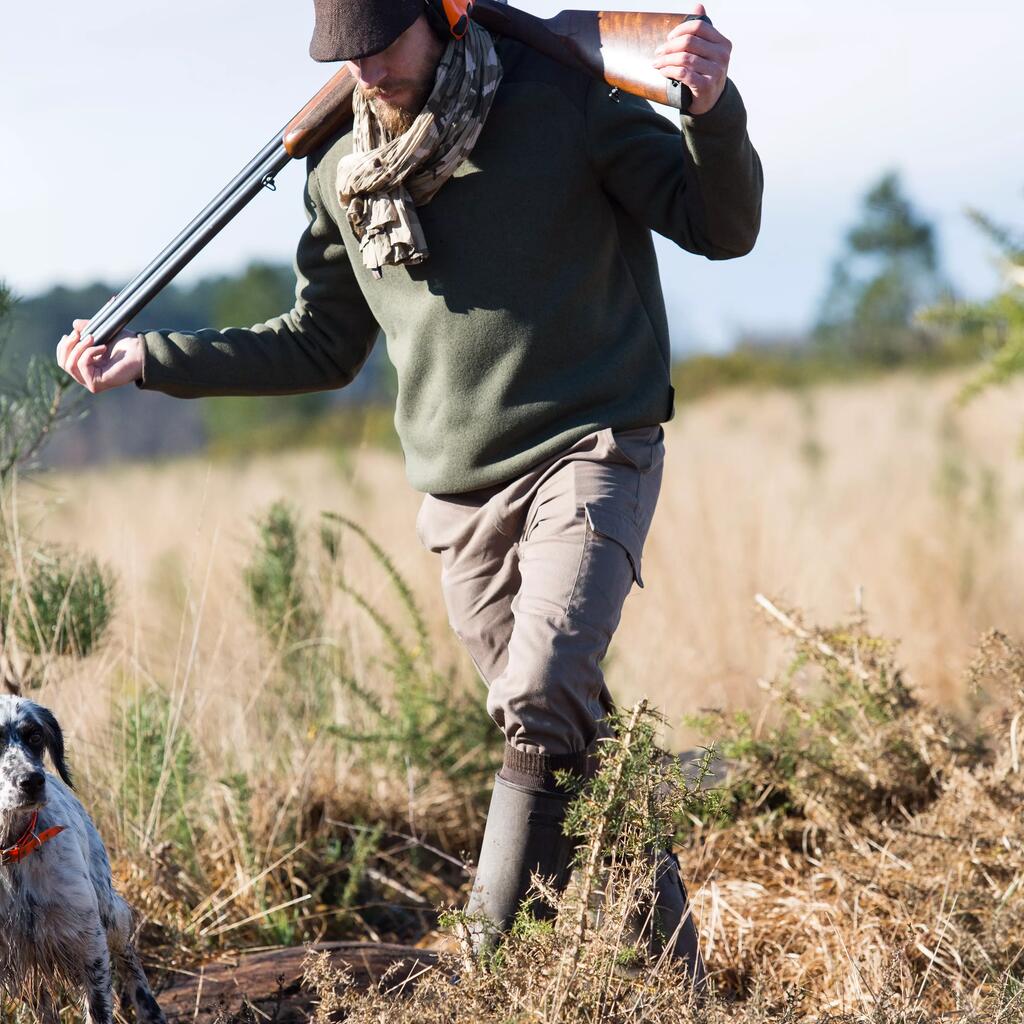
[29,841]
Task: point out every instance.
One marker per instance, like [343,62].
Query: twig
[805,634]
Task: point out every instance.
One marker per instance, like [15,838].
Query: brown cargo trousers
[534,575]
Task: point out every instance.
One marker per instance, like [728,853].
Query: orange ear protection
[455,14]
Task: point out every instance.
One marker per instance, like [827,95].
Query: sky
[121,119]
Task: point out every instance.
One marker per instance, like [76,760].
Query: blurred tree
[888,271]
[30,403]
[994,329]
[263,291]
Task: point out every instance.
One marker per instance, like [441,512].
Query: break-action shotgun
[616,46]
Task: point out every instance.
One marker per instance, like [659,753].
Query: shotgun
[614,46]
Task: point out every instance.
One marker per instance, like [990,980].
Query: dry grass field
[220,761]
[883,487]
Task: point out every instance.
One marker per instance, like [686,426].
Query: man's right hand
[100,367]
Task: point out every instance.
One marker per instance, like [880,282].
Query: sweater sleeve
[320,344]
[701,186]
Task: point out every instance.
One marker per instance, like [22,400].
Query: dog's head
[28,732]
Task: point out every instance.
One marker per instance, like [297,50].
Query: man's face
[398,80]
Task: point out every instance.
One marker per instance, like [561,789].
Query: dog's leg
[135,988]
[97,979]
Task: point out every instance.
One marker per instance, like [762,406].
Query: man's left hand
[697,55]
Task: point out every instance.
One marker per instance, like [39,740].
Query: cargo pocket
[609,566]
[607,523]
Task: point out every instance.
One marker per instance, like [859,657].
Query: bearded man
[490,212]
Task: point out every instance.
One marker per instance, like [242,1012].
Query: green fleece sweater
[538,315]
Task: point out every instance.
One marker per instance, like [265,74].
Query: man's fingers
[75,361]
[92,372]
[88,367]
[678,61]
[81,358]
[697,83]
[78,348]
[698,28]
[62,347]
[694,44]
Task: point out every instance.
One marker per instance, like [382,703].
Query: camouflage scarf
[385,179]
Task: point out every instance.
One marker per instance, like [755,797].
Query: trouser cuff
[537,771]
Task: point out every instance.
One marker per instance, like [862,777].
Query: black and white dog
[60,919]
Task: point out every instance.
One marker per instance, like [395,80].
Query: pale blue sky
[122,118]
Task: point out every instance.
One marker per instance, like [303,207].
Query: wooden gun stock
[323,116]
[617,46]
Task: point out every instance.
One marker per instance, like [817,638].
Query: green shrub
[64,606]
[426,721]
[160,778]
[273,577]
[853,742]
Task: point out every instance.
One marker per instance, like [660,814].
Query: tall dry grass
[885,487]
[218,758]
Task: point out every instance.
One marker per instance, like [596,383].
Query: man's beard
[394,119]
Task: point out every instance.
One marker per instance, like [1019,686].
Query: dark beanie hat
[351,29]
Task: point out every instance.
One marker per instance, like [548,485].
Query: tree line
[887,304]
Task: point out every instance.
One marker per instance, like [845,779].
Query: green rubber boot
[523,836]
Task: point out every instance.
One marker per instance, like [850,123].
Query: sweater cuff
[141,381]
[727,116]
[162,368]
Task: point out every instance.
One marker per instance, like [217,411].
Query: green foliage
[160,777]
[273,578]
[364,848]
[641,797]
[52,603]
[853,742]
[261,291]
[30,400]
[65,605]
[339,429]
[420,719]
[888,271]
[747,366]
[992,330]
[425,722]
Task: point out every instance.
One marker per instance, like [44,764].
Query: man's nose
[371,72]
[32,784]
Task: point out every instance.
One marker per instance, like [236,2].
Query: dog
[60,919]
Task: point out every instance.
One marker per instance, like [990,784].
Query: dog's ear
[54,743]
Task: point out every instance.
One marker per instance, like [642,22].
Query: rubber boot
[523,836]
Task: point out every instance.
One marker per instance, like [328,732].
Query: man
[491,212]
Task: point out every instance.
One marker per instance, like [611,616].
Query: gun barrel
[187,244]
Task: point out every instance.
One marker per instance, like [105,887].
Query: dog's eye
[35,739]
